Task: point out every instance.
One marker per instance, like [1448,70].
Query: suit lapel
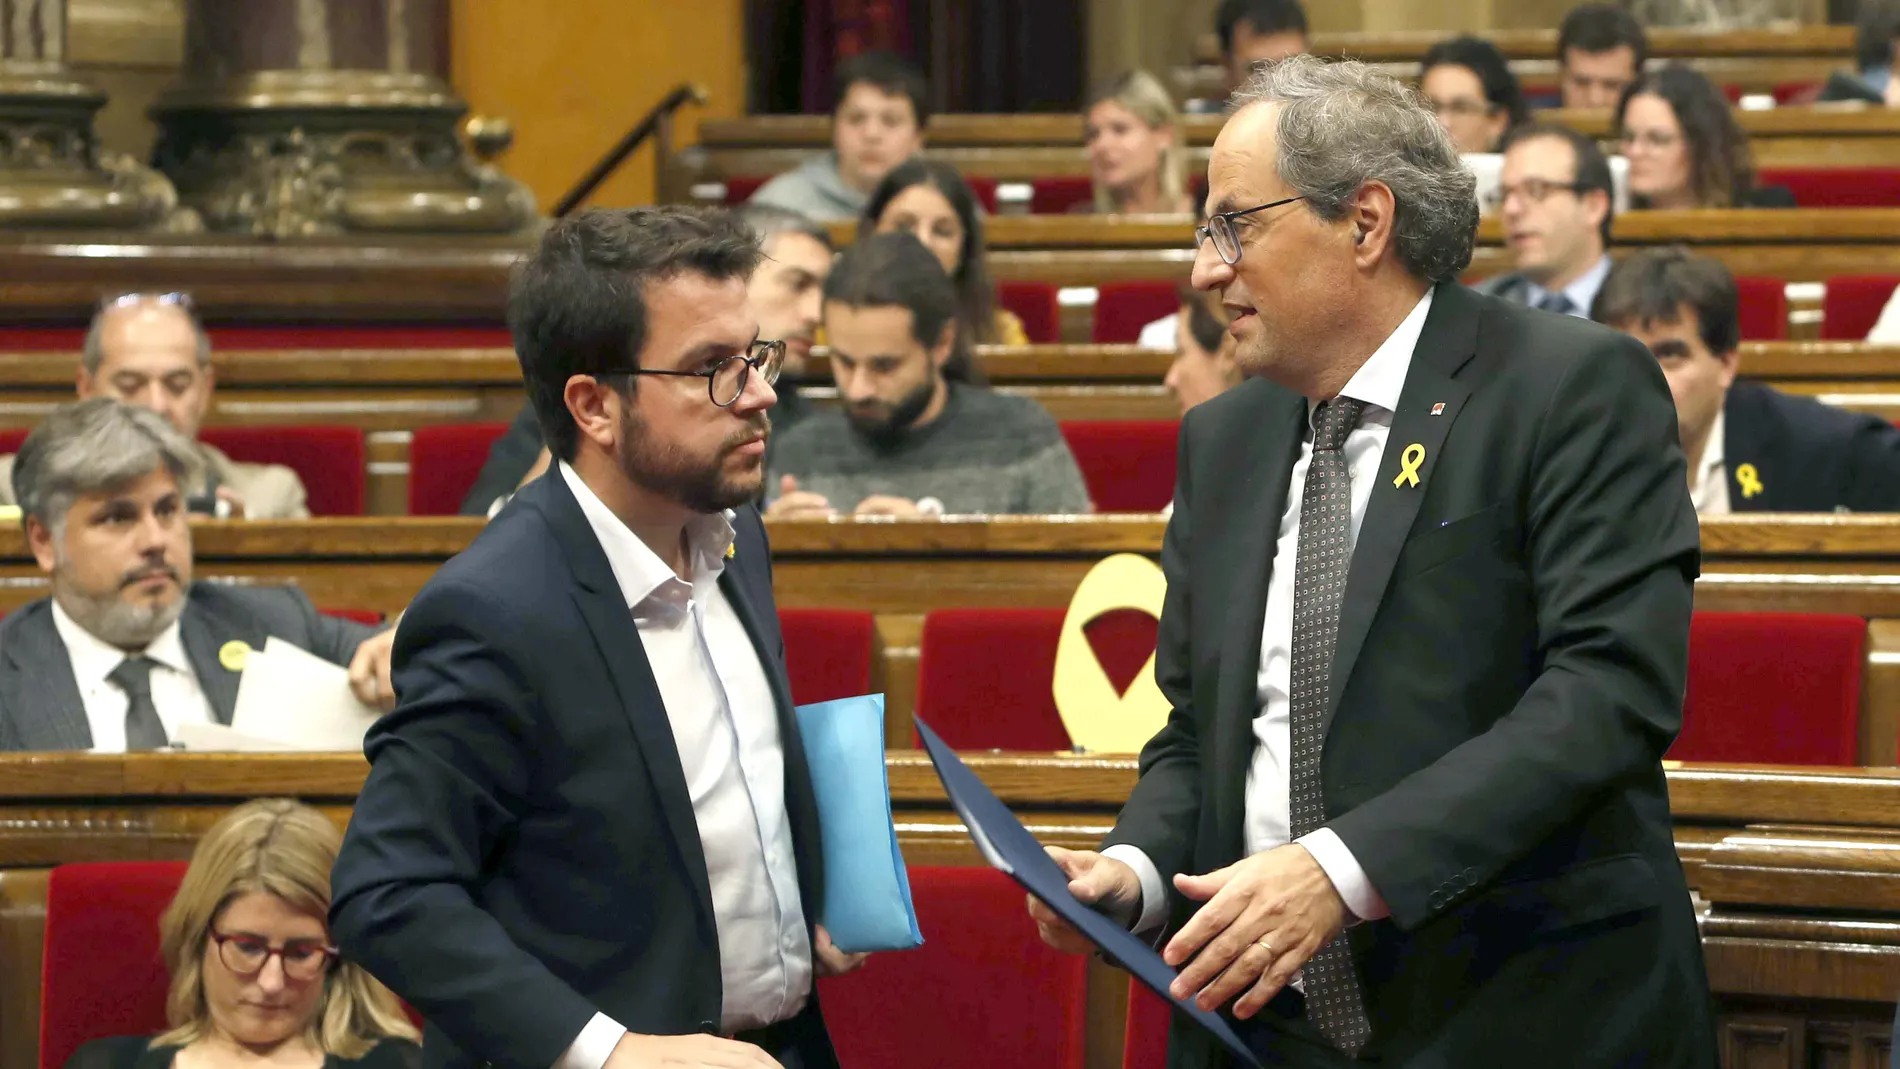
[40,690]
[1446,343]
[1267,451]
[220,684]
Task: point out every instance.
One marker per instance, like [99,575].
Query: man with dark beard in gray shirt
[908,441]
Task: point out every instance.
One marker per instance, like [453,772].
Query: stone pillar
[52,174]
[323,117]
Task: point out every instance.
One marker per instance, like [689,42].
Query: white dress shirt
[725,724]
[1379,383]
[1582,292]
[1708,486]
[175,690]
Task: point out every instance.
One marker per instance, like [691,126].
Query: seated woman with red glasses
[255,980]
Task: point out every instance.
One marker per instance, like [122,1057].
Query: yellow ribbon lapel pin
[1409,462]
[232,655]
[1749,479]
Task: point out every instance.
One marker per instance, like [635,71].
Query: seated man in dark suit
[128,647]
[1750,448]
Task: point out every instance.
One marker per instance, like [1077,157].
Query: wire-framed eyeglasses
[178,299]
[246,955]
[1221,229]
[726,380]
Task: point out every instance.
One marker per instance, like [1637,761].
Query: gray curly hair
[1344,124]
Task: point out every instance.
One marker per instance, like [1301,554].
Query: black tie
[1555,301]
[143,730]
[1333,1000]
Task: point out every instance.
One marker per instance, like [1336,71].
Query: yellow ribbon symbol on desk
[1409,463]
[1749,478]
[1098,719]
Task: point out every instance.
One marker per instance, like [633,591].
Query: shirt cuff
[1154,894]
[1348,878]
[591,1049]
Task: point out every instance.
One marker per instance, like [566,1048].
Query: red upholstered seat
[1853,304]
[11,438]
[983,990]
[1764,308]
[1123,308]
[1837,187]
[101,974]
[443,464]
[827,653]
[1145,1043]
[1773,687]
[1035,304]
[1057,194]
[331,461]
[1127,464]
[371,617]
[986,677]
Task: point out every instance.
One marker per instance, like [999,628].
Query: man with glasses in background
[588,837]
[150,350]
[1555,199]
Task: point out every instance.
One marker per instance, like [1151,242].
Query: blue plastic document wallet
[1008,846]
[867,891]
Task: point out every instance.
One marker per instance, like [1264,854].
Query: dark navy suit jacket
[1802,455]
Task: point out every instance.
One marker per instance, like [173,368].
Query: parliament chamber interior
[333,195]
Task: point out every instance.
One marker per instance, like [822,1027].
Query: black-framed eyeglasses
[124,300]
[1221,229]
[246,955]
[726,380]
[1533,190]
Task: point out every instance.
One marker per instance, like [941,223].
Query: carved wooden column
[52,174]
[313,117]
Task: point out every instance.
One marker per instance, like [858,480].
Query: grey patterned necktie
[1333,1001]
[1555,301]
[143,729]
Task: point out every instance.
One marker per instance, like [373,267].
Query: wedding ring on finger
[1264,945]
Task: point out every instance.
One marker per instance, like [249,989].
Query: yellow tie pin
[1749,478]
[1409,462]
[232,655]
[732,550]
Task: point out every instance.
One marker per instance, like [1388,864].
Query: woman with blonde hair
[1136,160]
[255,980]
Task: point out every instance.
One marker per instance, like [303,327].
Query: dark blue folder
[1008,846]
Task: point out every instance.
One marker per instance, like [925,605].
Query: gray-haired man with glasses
[1425,636]
[588,837]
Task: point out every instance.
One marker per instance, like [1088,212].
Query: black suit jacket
[1806,456]
[1510,668]
[524,852]
[40,706]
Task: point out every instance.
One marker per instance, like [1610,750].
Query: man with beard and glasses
[908,441]
[128,647]
[784,293]
[588,837]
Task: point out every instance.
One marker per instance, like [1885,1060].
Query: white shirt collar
[1711,469]
[640,571]
[93,659]
[1582,291]
[1381,379]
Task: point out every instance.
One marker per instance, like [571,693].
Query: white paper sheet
[291,696]
[196,736]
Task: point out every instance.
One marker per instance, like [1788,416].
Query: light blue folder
[867,891]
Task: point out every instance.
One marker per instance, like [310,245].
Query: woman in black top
[255,980]
[1685,148]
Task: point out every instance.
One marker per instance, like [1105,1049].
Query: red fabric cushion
[983,990]
[1127,464]
[1837,187]
[1035,304]
[1123,308]
[1773,687]
[371,617]
[1853,304]
[11,438]
[1145,1043]
[827,653]
[331,461]
[355,335]
[1764,308]
[443,463]
[986,678]
[1057,194]
[100,973]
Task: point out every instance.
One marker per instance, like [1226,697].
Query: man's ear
[1731,362]
[1597,203]
[39,538]
[1373,211]
[84,384]
[596,408]
[946,344]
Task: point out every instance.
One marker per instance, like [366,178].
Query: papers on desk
[288,699]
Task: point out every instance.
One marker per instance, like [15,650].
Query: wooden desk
[1797,866]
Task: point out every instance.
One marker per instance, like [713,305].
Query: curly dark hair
[1721,165]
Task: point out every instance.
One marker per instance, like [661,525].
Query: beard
[884,425]
[664,469]
[107,616]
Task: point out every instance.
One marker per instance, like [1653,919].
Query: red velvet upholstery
[1035,304]
[355,335]
[1853,304]
[101,974]
[11,438]
[827,653]
[986,677]
[331,461]
[1837,187]
[443,463]
[1775,687]
[1123,308]
[362,616]
[983,990]
[1127,464]
[1764,308]
[740,189]
[1145,1043]
[1057,194]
